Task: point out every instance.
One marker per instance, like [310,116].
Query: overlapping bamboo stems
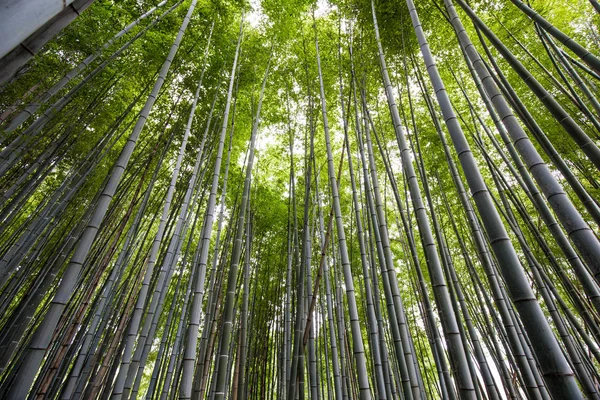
[559,61]
[591,60]
[13,150]
[524,114]
[125,379]
[357,342]
[297,351]
[486,260]
[193,324]
[561,116]
[228,314]
[45,218]
[31,108]
[43,335]
[213,291]
[559,377]
[449,271]
[535,266]
[449,323]
[575,226]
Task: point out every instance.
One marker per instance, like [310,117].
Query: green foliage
[283,33]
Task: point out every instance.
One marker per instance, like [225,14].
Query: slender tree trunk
[36,23]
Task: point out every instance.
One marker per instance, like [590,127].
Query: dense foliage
[292,198]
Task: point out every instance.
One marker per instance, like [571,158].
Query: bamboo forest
[300,199]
